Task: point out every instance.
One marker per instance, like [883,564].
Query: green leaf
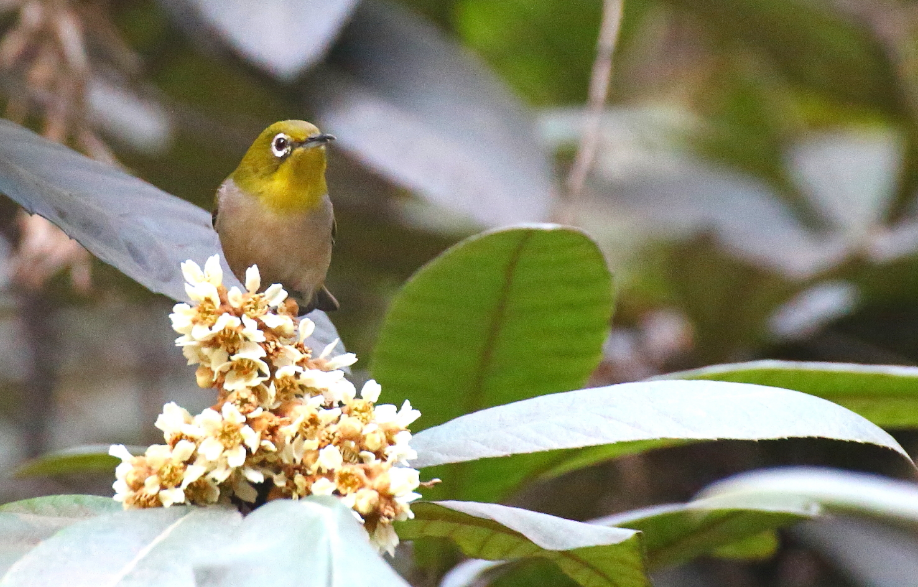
[77,459]
[674,534]
[817,48]
[757,547]
[129,224]
[139,547]
[648,411]
[591,555]
[833,490]
[310,542]
[418,109]
[24,524]
[502,316]
[887,395]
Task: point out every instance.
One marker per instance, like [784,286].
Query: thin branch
[600,79]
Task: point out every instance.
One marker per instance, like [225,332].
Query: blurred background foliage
[754,193]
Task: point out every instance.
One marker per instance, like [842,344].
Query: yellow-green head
[285,167]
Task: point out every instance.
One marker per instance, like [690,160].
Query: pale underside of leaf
[419,109]
[282,37]
[887,395]
[141,547]
[692,410]
[129,224]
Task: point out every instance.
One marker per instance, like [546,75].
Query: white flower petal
[213,273]
[192,272]
[252,279]
[307,327]
[329,348]
[341,361]
[371,391]
[323,486]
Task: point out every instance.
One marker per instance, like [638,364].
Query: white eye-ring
[281,145]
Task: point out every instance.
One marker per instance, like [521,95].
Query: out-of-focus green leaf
[833,490]
[139,547]
[283,37]
[591,555]
[810,43]
[887,395]
[24,524]
[128,223]
[758,547]
[310,542]
[673,534]
[662,410]
[78,459]
[545,49]
[502,316]
[418,109]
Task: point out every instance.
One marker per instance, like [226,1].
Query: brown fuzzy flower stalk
[285,425]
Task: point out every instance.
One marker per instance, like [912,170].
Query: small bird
[274,211]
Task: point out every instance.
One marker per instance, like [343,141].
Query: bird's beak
[317,140]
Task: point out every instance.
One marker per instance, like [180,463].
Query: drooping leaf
[673,534]
[423,112]
[139,547]
[887,395]
[129,224]
[650,410]
[310,542]
[833,490]
[78,459]
[283,37]
[24,524]
[591,555]
[500,317]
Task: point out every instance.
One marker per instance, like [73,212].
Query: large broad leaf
[128,223]
[310,542]
[24,524]
[874,554]
[315,541]
[833,490]
[591,555]
[423,112]
[672,534]
[140,547]
[283,37]
[887,395]
[675,533]
[503,316]
[645,411]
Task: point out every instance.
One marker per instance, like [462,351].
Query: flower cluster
[285,425]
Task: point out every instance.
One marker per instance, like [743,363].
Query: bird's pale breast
[291,249]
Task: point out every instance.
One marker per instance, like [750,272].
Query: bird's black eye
[280,146]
